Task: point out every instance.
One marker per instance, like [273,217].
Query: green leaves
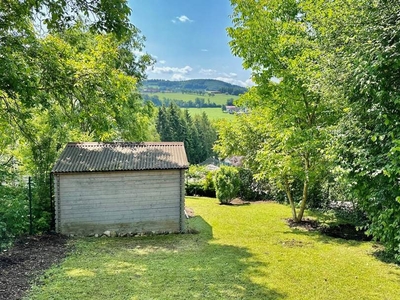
[72,80]
[227,184]
[197,133]
[285,135]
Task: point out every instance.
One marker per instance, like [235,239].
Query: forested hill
[159,85]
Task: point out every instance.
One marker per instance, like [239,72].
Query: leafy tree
[368,135]
[75,80]
[290,117]
[100,16]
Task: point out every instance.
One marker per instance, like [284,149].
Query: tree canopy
[68,72]
[196,132]
[325,101]
[289,116]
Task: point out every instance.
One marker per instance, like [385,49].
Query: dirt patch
[21,265]
[305,224]
[238,201]
[295,243]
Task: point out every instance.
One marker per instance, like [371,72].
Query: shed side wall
[122,201]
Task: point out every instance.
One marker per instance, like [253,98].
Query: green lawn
[212,113]
[241,252]
[218,98]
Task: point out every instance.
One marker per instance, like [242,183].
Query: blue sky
[188,39]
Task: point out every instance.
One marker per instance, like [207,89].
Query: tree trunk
[305,188]
[303,201]
[290,198]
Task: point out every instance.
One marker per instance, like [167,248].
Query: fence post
[53,222]
[30,205]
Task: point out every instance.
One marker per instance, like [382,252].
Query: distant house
[124,187]
[213,92]
[231,109]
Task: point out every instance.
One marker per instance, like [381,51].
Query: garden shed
[122,187]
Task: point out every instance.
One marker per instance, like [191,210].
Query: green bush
[14,213]
[227,184]
[208,184]
[199,182]
[251,189]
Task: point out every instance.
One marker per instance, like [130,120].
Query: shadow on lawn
[178,266]
[230,265]
[322,238]
[319,236]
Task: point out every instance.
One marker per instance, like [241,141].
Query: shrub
[227,184]
[14,218]
[251,189]
[199,181]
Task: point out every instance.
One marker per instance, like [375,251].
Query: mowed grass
[217,98]
[241,252]
[214,113]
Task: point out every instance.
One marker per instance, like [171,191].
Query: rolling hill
[203,85]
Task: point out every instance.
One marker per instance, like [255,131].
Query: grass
[212,113]
[241,252]
[218,98]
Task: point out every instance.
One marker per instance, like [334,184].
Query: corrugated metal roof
[121,156]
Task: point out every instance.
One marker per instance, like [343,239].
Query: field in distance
[219,99]
[213,113]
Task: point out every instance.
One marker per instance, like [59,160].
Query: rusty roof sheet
[121,156]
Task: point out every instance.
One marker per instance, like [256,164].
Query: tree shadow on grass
[231,267]
[322,238]
[184,266]
[384,256]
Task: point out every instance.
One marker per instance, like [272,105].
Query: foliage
[199,181]
[366,76]
[73,79]
[55,16]
[197,133]
[251,189]
[326,102]
[227,184]
[373,147]
[351,215]
[14,213]
[288,128]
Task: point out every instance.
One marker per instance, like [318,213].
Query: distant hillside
[209,85]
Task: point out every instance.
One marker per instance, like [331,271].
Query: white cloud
[171,70]
[228,75]
[207,72]
[178,77]
[249,82]
[182,19]
[204,50]
[162,62]
[231,80]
